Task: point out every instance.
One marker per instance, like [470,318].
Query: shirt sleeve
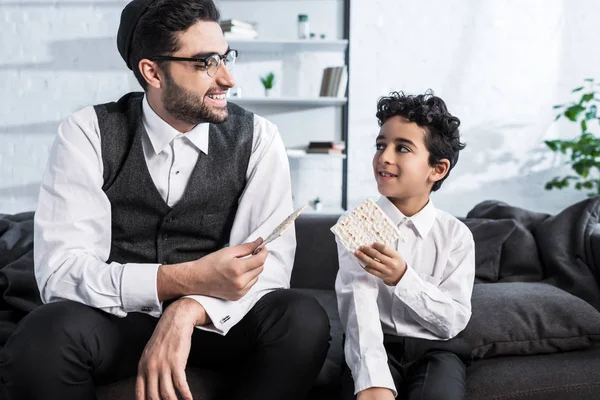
[265,203]
[364,351]
[72,229]
[445,308]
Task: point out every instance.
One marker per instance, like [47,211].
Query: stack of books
[326,147]
[236,29]
[334,82]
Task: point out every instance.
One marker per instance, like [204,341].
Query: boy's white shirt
[431,301]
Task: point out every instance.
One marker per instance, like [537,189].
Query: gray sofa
[535,322]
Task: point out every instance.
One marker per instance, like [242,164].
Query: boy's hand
[375,393]
[382,261]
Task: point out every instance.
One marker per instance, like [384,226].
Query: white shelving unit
[334,211]
[294,104]
[299,153]
[290,101]
[280,46]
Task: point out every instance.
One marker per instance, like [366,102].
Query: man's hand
[382,261]
[226,274]
[161,370]
[375,393]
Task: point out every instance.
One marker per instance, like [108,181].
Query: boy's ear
[440,170]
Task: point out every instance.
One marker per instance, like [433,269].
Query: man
[149,212]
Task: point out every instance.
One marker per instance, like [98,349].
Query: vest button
[170,219]
[165,236]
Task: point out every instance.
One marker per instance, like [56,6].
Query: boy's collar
[423,220]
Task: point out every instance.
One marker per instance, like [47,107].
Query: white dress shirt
[73,219]
[431,301]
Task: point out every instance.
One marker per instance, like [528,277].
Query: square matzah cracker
[365,225]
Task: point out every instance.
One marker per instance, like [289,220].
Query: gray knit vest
[144,228]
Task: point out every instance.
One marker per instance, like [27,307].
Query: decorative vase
[268,92]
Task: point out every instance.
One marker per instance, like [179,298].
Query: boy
[401,309]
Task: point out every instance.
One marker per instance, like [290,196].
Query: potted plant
[267,82]
[584,150]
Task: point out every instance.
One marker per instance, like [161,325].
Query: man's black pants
[63,350]
[422,369]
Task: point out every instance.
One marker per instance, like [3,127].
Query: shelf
[324,211]
[290,101]
[294,45]
[299,153]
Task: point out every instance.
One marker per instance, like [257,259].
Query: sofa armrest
[316,262]
[595,249]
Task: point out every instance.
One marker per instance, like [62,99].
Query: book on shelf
[236,22]
[334,82]
[327,145]
[330,147]
[236,29]
[324,151]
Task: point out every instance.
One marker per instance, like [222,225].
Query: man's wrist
[374,392]
[191,311]
[171,281]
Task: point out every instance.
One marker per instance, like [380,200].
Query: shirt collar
[161,134]
[423,220]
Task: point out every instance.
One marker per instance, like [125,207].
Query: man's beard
[188,106]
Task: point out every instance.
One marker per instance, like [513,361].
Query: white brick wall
[59,56]
[55,57]
[500,66]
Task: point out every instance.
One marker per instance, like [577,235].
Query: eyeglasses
[211,63]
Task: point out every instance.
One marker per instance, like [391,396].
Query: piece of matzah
[365,225]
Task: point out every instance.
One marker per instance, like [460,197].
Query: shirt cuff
[138,289]
[373,372]
[410,285]
[222,320]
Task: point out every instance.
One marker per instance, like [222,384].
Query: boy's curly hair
[442,137]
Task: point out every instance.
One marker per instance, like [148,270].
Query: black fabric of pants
[62,350]
[422,369]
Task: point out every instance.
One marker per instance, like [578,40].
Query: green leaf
[583,125]
[558,106]
[551,144]
[572,112]
[589,80]
[577,89]
[586,97]
[557,117]
[582,168]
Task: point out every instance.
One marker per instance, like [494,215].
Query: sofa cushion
[570,375]
[505,251]
[316,260]
[528,318]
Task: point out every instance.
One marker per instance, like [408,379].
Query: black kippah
[129,19]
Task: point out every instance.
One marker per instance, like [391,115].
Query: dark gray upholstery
[561,376]
[514,245]
[521,318]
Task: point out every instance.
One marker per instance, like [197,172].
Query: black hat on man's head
[131,15]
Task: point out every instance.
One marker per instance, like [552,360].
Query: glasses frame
[204,60]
